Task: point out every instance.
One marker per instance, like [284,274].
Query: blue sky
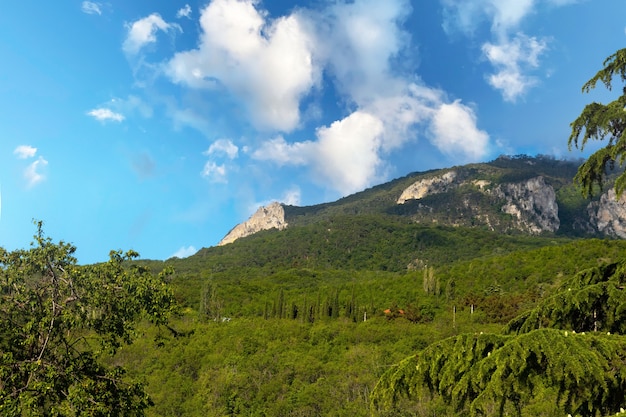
[158,126]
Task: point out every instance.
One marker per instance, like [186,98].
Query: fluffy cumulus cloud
[455,132]
[91,7]
[267,65]
[103,114]
[349,154]
[513,54]
[33,172]
[143,32]
[357,41]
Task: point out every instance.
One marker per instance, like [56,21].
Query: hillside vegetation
[305,321]
[357,309]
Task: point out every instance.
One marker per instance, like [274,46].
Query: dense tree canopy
[603,121]
[58,321]
[556,359]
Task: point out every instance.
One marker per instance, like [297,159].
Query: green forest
[355,311]
[511,325]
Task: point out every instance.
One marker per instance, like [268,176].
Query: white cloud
[184,252]
[32,172]
[103,114]
[25,151]
[349,154]
[282,153]
[223,146]
[504,15]
[358,41]
[143,32]
[268,65]
[214,172]
[455,132]
[91,7]
[345,155]
[184,12]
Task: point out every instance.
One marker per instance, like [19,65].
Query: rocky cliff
[434,185]
[268,217]
[532,203]
[608,215]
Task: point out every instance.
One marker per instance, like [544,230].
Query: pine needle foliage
[593,300]
[549,361]
[599,122]
[543,372]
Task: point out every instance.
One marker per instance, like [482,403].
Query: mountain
[512,194]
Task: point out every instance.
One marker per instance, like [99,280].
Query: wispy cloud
[224,151]
[104,114]
[513,54]
[214,172]
[512,59]
[143,32]
[91,7]
[292,197]
[32,173]
[184,12]
[184,252]
[224,147]
[25,151]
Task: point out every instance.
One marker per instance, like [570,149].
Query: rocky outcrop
[532,203]
[608,215]
[428,186]
[268,217]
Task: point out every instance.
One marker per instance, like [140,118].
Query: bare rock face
[422,188]
[532,202]
[268,217]
[608,215]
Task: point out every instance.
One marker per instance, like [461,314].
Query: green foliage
[558,358]
[603,121]
[593,300]
[541,373]
[59,320]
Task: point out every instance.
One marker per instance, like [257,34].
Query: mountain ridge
[532,195]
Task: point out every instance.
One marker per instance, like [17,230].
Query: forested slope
[273,338]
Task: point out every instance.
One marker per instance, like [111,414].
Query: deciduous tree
[59,321]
